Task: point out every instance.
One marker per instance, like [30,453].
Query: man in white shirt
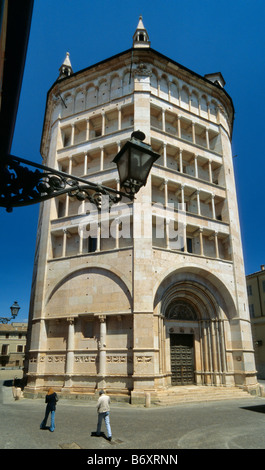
[103,409]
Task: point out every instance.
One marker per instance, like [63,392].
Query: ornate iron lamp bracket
[20,186]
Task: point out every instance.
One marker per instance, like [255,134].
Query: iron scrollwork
[21,186]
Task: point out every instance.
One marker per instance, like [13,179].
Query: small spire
[66,67]
[140,37]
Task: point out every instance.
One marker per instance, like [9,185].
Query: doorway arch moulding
[191,301]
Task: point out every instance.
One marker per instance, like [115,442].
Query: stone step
[198,394]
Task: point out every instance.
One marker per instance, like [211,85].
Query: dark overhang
[19,15]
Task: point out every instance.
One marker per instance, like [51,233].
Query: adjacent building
[13,338]
[152,293]
[256,300]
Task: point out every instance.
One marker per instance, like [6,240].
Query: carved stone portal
[181,310]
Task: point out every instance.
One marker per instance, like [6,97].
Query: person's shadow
[102,434]
[45,428]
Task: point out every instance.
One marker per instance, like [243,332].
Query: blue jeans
[104,416]
[43,424]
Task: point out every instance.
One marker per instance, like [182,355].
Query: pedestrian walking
[103,409]
[51,400]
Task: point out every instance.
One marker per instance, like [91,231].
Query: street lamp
[20,186]
[14,312]
[134,162]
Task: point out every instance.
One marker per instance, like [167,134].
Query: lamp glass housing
[134,162]
[14,309]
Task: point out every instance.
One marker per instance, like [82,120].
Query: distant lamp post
[14,311]
[20,186]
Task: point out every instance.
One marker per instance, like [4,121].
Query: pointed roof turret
[66,67]
[216,78]
[140,37]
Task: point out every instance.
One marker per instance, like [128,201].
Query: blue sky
[203,35]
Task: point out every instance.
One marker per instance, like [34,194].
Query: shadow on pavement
[257,408]
[102,434]
[8,383]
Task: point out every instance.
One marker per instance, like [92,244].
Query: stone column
[70,166]
[210,171]
[103,124]
[64,242]
[87,129]
[213,207]
[163,120]
[222,349]
[98,237]
[66,205]
[117,224]
[193,132]
[185,240]
[69,367]
[207,139]
[101,158]
[216,378]
[160,339]
[167,234]
[198,202]
[182,195]
[196,166]
[70,346]
[85,164]
[102,349]
[179,127]
[165,154]
[119,118]
[80,243]
[216,244]
[72,134]
[207,379]
[166,192]
[201,241]
[180,161]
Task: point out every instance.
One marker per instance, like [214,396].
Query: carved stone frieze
[144,359]
[181,310]
[142,70]
[86,358]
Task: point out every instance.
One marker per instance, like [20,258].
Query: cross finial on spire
[140,37]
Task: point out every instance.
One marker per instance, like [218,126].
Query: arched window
[68,106]
[194,103]
[79,102]
[213,110]
[154,83]
[103,92]
[91,96]
[184,95]
[204,107]
[163,87]
[115,87]
[127,83]
[174,91]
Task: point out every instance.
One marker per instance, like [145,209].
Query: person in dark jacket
[51,400]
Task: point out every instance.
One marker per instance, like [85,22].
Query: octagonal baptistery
[149,293]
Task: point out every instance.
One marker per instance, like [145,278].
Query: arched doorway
[193,330]
[182,359]
[181,345]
